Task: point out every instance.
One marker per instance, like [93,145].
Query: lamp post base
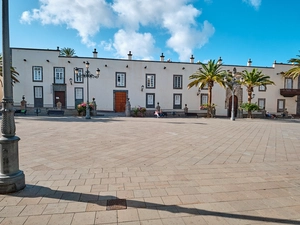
[88,112]
[12,183]
[11,178]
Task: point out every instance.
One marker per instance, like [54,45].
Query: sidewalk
[158,171]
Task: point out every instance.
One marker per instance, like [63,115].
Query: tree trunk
[209,101]
[249,101]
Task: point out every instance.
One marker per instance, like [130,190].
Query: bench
[191,115]
[173,113]
[21,111]
[55,112]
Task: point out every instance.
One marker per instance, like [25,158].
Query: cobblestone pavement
[169,170]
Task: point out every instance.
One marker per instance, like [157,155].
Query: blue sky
[236,30]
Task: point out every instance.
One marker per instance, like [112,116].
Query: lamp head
[76,70]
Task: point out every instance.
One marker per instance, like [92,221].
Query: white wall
[102,89]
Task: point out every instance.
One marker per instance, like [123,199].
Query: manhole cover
[116,204]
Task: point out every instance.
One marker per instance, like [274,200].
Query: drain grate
[116,204]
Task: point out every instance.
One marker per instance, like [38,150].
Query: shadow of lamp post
[88,75]
[11,178]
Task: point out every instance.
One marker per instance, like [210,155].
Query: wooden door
[120,101]
[235,106]
[60,97]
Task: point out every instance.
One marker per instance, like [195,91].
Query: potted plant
[81,108]
[139,111]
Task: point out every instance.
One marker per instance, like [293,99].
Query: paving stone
[38,220]
[61,219]
[193,171]
[84,218]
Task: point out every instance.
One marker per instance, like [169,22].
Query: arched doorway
[230,105]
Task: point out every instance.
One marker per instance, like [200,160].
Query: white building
[46,78]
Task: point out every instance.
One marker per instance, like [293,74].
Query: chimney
[249,63]
[57,48]
[192,59]
[220,61]
[129,55]
[162,57]
[95,53]
[274,63]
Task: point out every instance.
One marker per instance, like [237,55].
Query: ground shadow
[33,191]
[65,119]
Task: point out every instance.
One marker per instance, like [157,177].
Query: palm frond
[294,72]
[14,73]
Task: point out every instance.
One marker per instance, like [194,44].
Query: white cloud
[133,18]
[78,15]
[185,40]
[141,45]
[255,3]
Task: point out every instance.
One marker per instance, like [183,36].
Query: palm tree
[207,75]
[68,52]
[13,72]
[253,79]
[295,71]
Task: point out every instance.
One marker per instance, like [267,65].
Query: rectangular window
[262,103]
[78,78]
[78,93]
[280,105]
[204,99]
[288,83]
[78,96]
[150,80]
[59,75]
[37,73]
[262,88]
[38,92]
[120,79]
[150,100]
[177,81]
[177,99]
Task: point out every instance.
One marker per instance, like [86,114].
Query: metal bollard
[37,111]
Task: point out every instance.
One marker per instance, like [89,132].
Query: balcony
[289,92]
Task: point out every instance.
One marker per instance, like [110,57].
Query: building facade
[46,78]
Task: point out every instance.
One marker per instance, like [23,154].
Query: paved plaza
[160,170]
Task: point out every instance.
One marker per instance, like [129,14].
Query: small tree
[207,75]
[250,107]
[68,52]
[253,79]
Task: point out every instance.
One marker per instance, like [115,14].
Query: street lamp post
[11,178]
[88,75]
[232,84]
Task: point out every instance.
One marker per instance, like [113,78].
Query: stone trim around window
[150,100]
[150,81]
[78,78]
[280,105]
[177,101]
[262,88]
[120,79]
[37,73]
[177,81]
